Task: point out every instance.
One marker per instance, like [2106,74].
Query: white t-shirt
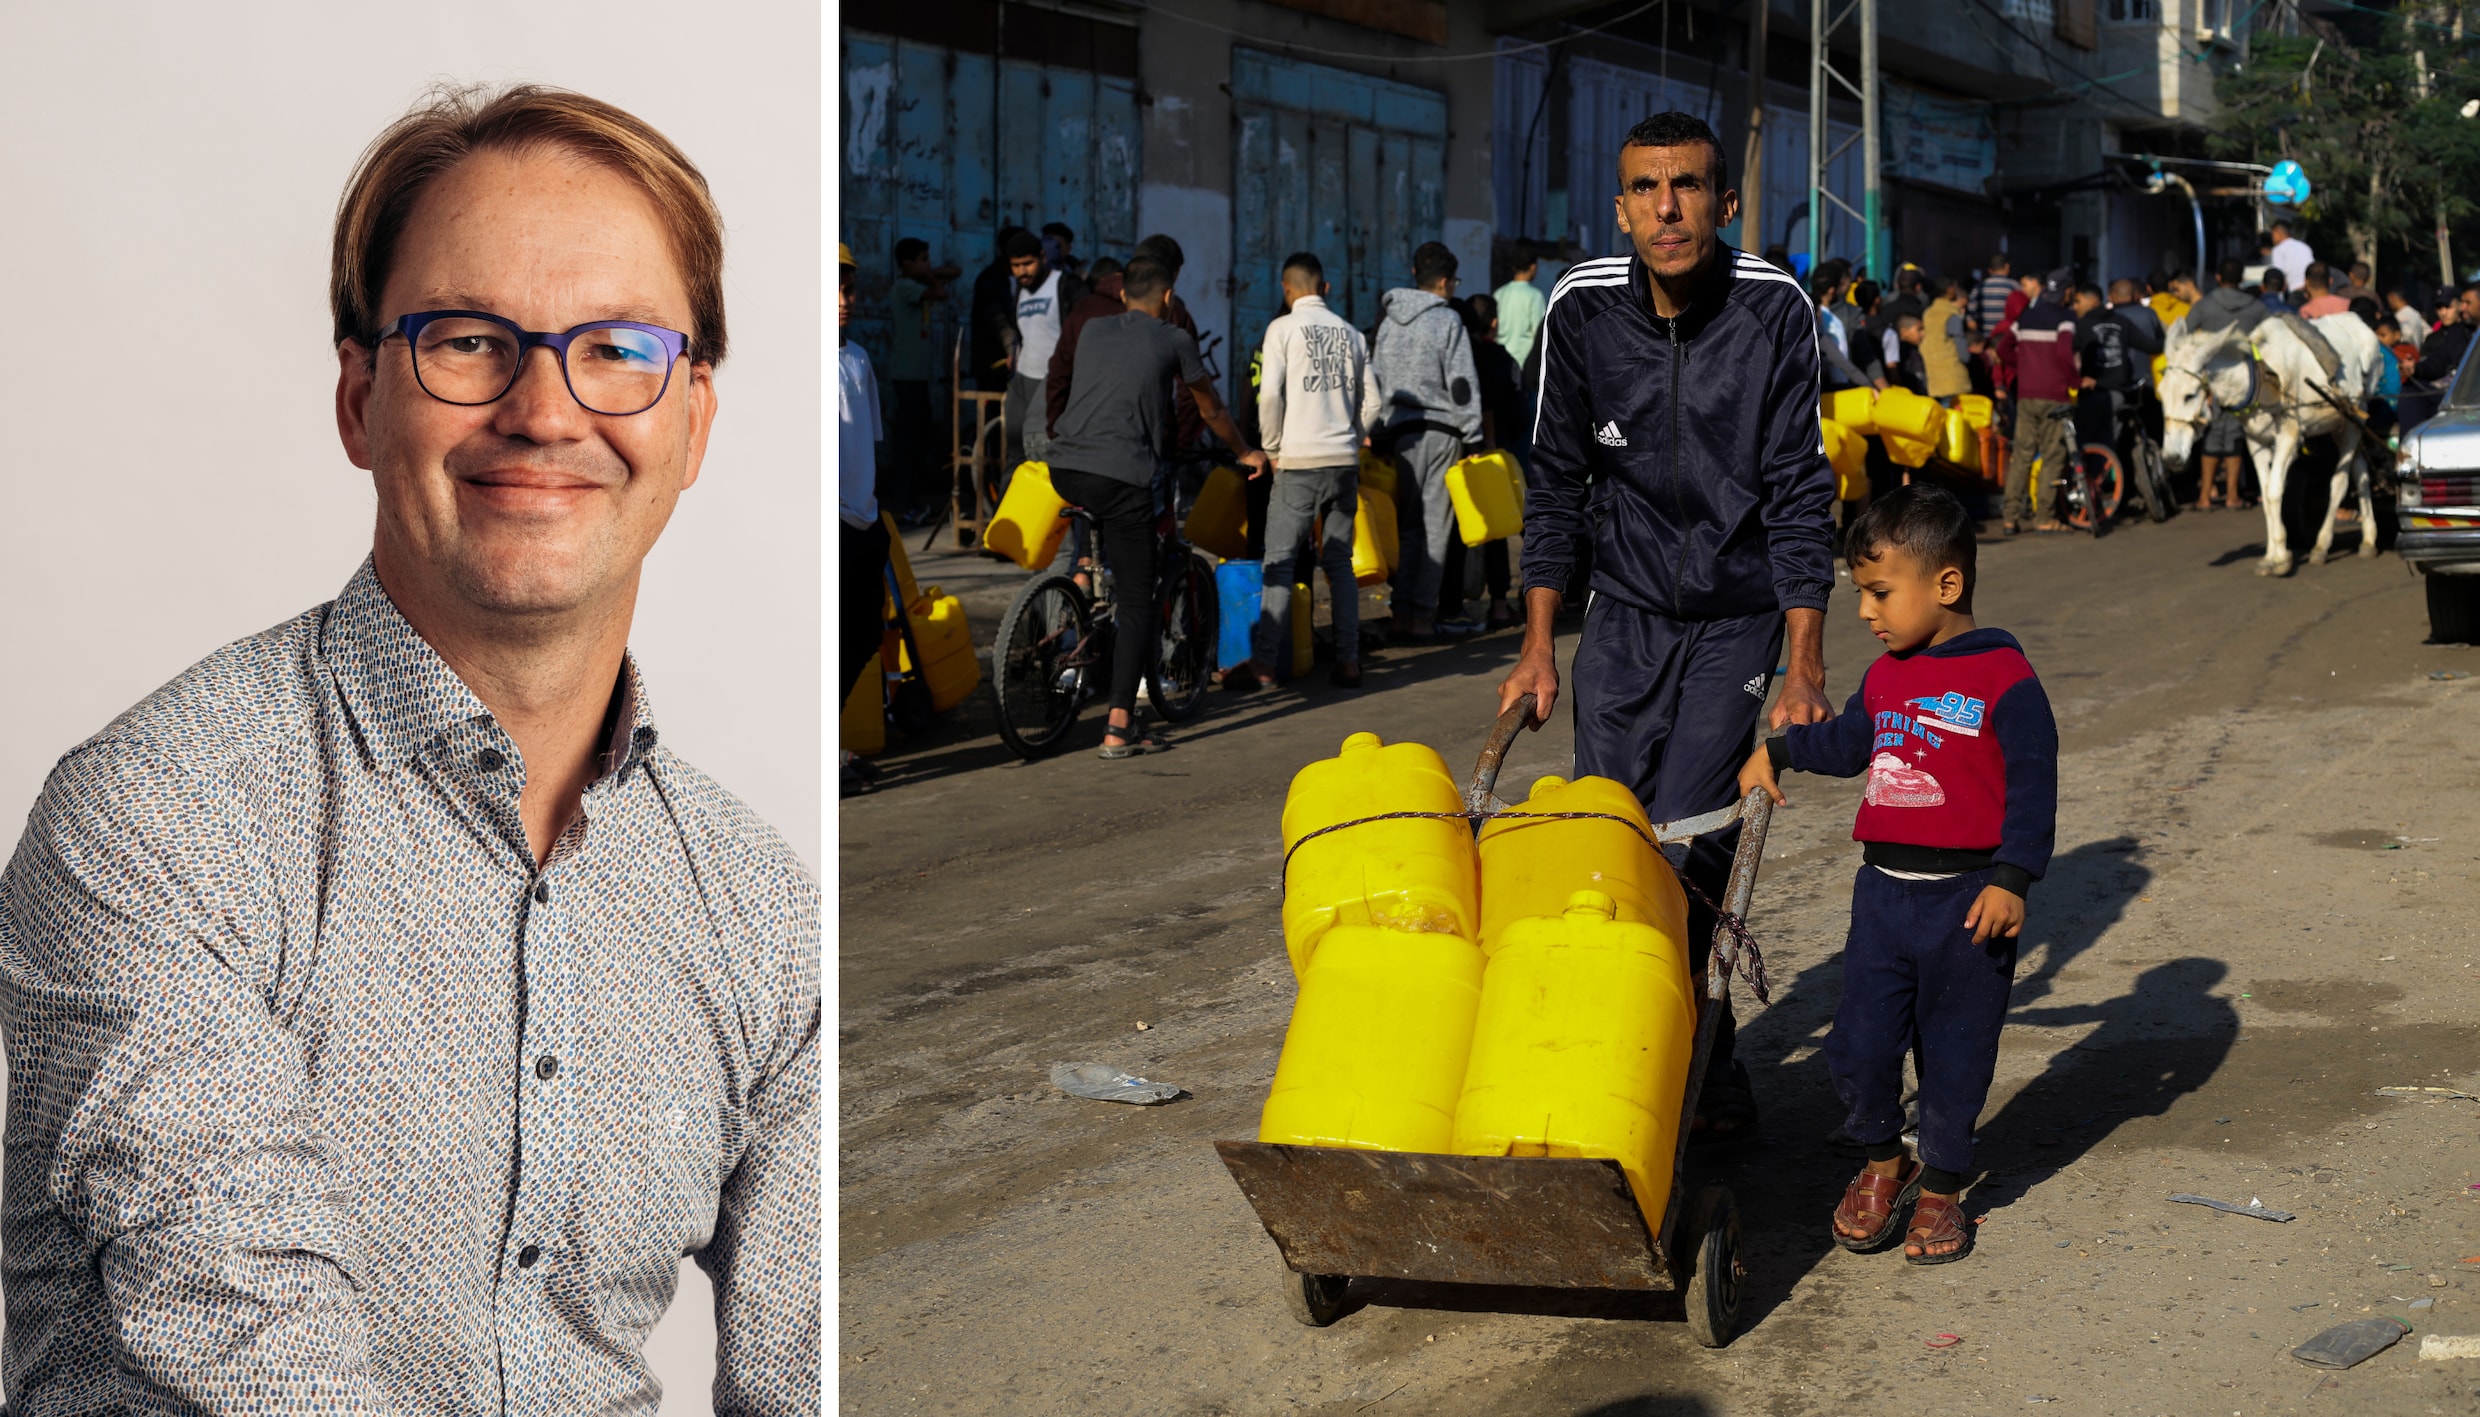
[2293,256]
[856,462]
[1037,326]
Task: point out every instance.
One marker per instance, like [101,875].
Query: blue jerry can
[1237,585]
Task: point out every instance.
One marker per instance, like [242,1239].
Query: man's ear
[1950,585]
[1730,211]
[1618,203]
[356,371]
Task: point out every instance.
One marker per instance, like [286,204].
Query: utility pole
[1820,70]
[2445,239]
[1752,162]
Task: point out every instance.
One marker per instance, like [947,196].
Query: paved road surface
[2261,912]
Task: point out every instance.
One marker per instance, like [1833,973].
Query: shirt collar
[407,700]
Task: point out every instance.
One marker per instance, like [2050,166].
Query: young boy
[1962,756]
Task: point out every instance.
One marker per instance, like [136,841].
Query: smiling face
[529,507]
[1904,602]
[1668,206]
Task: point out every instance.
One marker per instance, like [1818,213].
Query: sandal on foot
[1871,1197]
[1937,1221]
[1132,743]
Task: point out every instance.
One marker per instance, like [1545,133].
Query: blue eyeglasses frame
[675,345]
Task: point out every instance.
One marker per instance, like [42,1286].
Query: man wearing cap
[2041,344]
[390,1009]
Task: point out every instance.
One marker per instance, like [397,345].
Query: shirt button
[490,760]
[546,1067]
[542,892]
[527,1256]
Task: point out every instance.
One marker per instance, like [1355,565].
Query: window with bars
[2131,12]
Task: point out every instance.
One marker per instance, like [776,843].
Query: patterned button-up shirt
[322,1099]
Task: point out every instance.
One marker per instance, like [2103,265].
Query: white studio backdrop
[170,475]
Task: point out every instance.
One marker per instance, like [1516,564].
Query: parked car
[2437,509]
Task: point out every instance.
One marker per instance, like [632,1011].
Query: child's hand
[1760,773]
[1998,911]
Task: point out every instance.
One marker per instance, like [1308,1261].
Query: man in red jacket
[2041,345]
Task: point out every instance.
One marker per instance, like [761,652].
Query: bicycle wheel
[2094,491]
[1192,626]
[2154,478]
[1040,662]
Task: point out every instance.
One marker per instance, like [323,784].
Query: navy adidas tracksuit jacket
[1686,454]
[1685,451]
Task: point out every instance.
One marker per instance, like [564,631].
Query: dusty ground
[2261,911]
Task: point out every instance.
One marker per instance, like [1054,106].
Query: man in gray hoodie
[1422,362]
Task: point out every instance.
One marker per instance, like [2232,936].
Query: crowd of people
[2068,361]
[1104,378]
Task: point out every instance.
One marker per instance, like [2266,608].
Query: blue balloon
[2287,185]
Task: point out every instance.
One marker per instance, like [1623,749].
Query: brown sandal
[1871,1197]
[1937,1221]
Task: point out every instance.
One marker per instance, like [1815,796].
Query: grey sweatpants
[1425,517]
[1309,502]
[1027,414]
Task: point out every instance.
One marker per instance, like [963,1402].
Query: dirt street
[2260,913]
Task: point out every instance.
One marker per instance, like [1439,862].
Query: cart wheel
[1714,1270]
[1314,1299]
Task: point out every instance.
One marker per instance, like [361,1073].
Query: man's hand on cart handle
[1803,696]
[1759,772]
[1537,666]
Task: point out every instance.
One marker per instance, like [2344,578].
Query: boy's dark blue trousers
[1910,969]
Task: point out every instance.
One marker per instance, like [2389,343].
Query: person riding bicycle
[1677,440]
[1106,448]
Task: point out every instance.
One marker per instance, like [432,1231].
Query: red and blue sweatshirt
[1962,758]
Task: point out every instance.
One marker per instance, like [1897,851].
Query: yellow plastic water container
[1533,867]
[1960,444]
[1027,528]
[1374,544]
[1586,1026]
[948,663]
[863,728]
[1973,409]
[1911,425]
[1377,474]
[1848,452]
[1483,488]
[1376,1050]
[1855,409]
[1416,875]
[1218,522]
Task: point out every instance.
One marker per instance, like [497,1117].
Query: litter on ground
[1100,1082]
[2255,1210]
[2347,1345]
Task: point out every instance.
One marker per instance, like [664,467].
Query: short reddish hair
[453,123]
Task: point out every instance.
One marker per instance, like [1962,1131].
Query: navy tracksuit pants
[1911,973]
[1671,708]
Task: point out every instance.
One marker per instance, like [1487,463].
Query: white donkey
[2272,379]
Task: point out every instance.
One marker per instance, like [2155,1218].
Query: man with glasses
[389,1009]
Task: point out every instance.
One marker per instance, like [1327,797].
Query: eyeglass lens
[611,371]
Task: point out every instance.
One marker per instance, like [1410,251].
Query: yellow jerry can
[1973,409]
[1218,522]
[1848,453]
[1531,867]
[1961,443]
[1374,546]
[948,663]
[1377,474]
[1417,875]
[1375,1054]
[1027,528]
[1911,426]
[1582,1046]
[1483,488]
[1855,409]
[864,726]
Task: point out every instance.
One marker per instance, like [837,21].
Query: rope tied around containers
[1741,956]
